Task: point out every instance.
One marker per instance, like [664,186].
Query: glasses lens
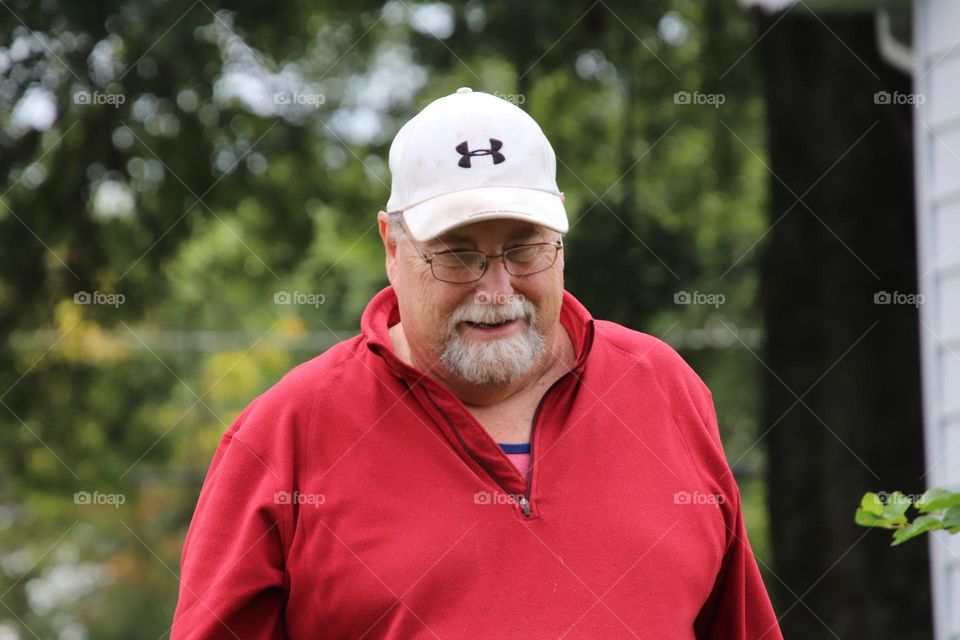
[530,259]
[458,266]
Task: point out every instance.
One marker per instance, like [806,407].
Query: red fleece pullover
[359,498]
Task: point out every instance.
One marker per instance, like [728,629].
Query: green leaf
[889,514]
[865,518]
[896,505]
[952,517]
[868,519]
[915,528]
[871,503]
[937,498]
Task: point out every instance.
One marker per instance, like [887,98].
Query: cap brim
[436,216]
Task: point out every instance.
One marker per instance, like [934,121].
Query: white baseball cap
[472,156]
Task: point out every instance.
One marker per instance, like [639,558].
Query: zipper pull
[525,505]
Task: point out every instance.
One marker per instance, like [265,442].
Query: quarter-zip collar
[460,426]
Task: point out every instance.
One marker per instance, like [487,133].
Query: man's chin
[479,358]
[492,377]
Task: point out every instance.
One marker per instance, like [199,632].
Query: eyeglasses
[462,267]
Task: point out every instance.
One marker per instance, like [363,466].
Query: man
[484,460]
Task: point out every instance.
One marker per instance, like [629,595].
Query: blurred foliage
[149,163]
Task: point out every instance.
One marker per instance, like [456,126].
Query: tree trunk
[854,363]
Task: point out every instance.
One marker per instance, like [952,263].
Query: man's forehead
[512,230]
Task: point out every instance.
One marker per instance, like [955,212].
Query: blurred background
[188,198]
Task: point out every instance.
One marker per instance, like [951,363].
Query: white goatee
[493,362]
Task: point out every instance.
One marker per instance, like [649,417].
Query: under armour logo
[464,150]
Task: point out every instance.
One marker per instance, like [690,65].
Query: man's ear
[389,244]
[388,241]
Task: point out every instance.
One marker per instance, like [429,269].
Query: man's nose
[496,278]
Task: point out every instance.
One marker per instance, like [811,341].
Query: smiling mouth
[486,325]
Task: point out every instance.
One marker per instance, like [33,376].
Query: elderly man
[485,460]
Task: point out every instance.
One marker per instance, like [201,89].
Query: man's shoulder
[683,389]
[319,369]
[651,355]
[638,345]
[292,398]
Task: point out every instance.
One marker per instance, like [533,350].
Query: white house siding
[936,45]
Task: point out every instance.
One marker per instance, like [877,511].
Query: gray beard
[493,362]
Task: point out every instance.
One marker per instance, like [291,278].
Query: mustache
[512,309]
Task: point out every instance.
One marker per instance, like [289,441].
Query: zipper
[464,444]
[525,505]
[524,500]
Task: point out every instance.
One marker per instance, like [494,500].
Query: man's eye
[457,259]
[524,254]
